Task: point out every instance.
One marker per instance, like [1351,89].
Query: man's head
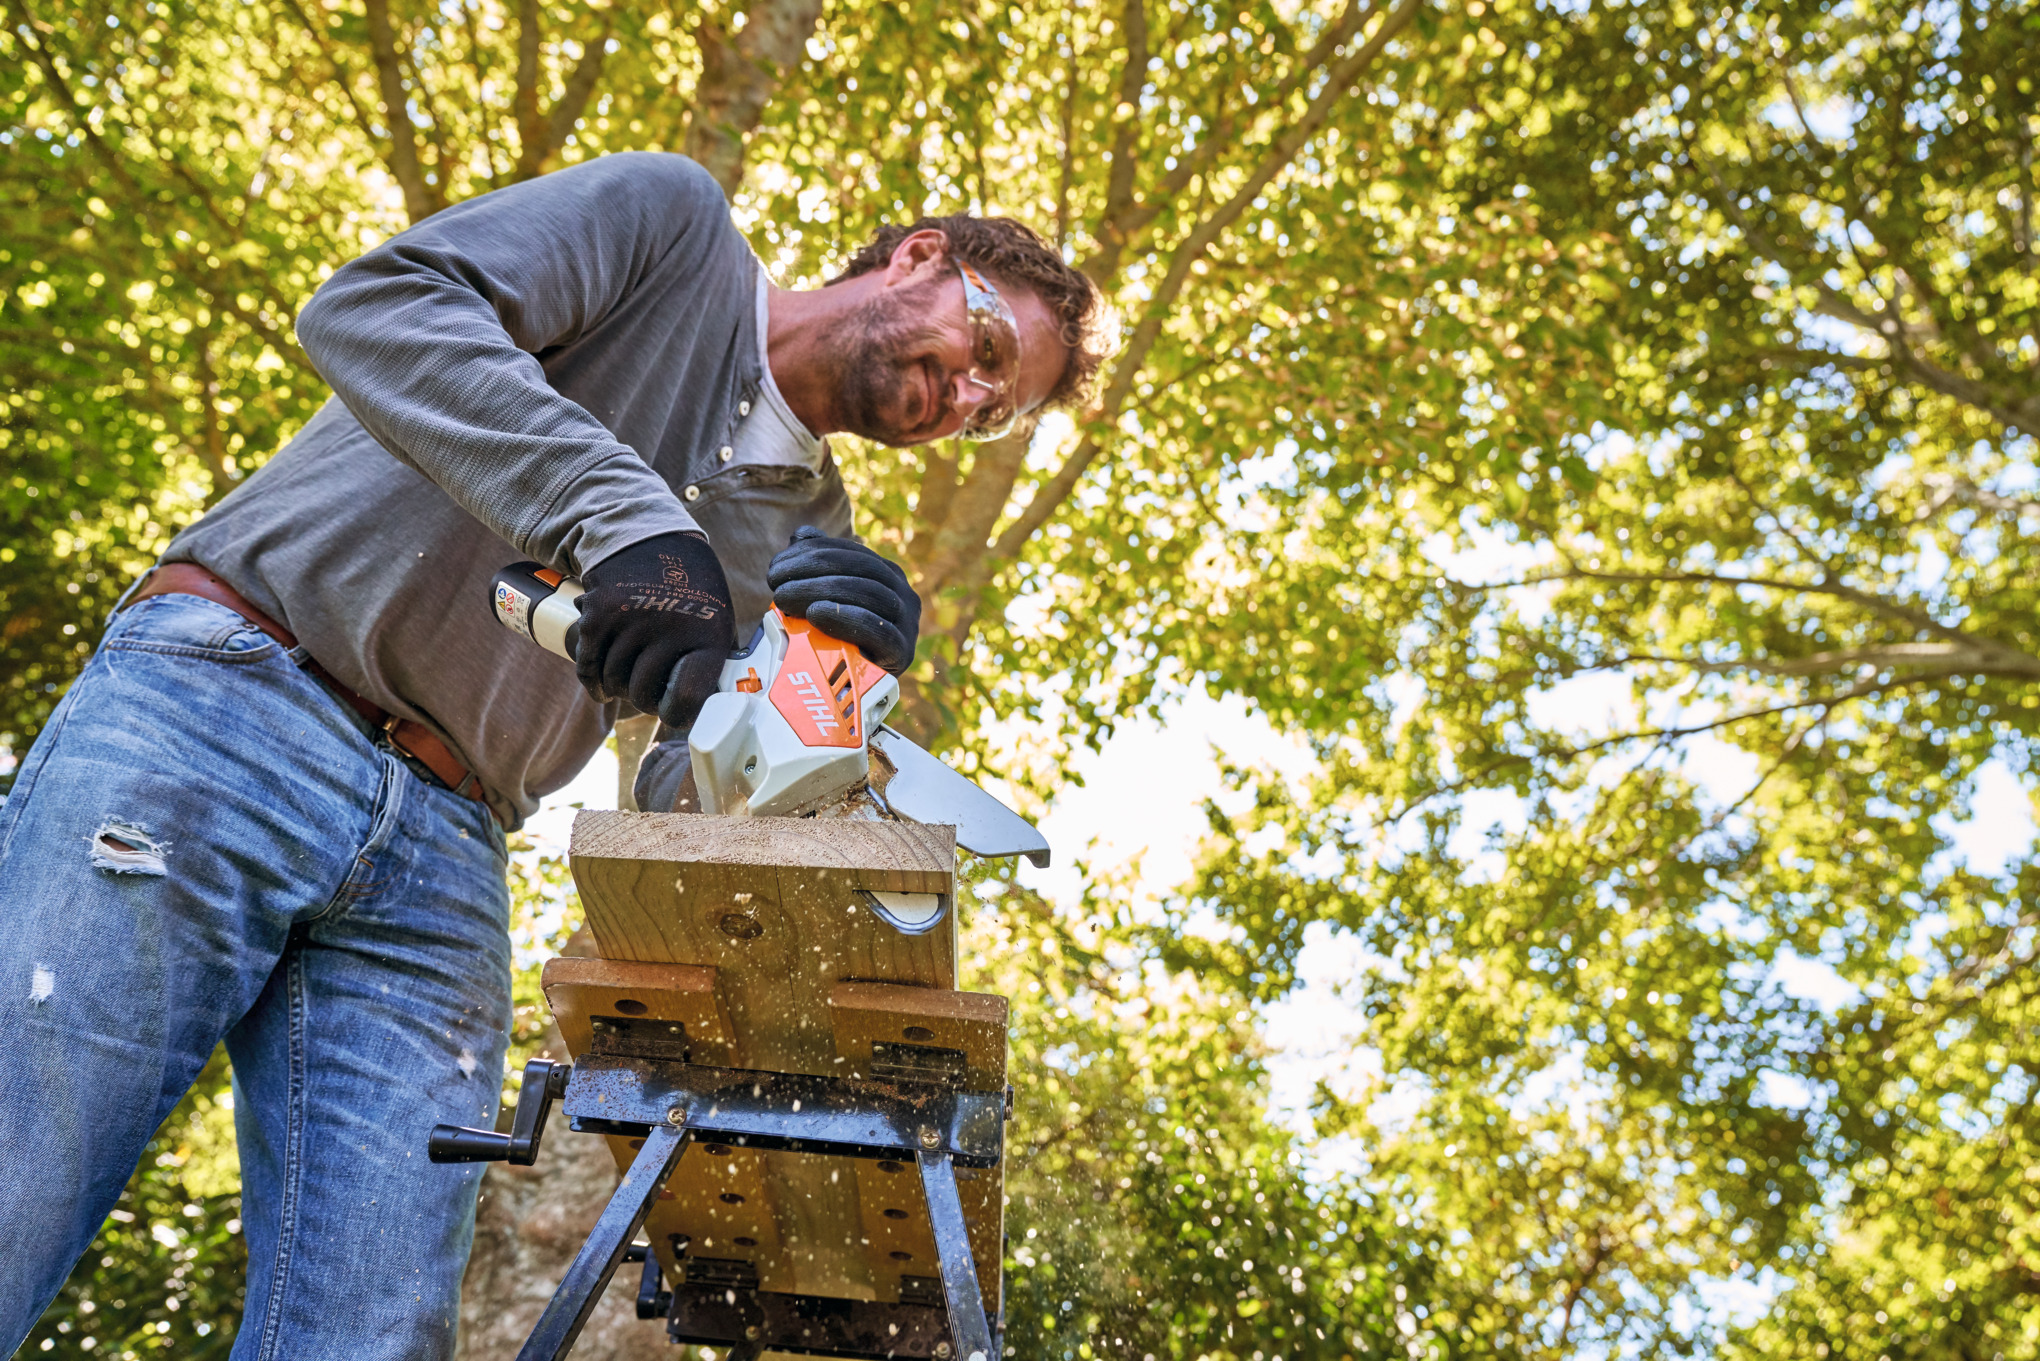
[928,351]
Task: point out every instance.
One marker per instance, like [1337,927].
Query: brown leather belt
[412,738]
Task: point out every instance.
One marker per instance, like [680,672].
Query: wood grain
[890,1201]
[781,928]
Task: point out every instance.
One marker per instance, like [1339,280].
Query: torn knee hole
[124,848]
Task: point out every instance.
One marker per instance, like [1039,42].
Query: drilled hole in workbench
[718,1150]
[630,1006]
[890,1166]
[745,1242]
[918,1033]
[901,1256]
[731,1198]
[895,1214]
[637,1143]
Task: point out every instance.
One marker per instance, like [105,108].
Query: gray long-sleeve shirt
[553,371]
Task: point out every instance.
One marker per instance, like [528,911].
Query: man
[272,808]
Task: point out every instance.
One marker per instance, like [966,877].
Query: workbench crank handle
[544,1083]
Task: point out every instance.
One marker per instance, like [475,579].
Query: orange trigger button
[750,684]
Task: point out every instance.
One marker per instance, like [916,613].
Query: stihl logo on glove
[668,603]
[672,594]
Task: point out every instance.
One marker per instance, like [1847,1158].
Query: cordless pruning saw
[796,726]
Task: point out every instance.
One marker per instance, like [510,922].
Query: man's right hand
[656,627]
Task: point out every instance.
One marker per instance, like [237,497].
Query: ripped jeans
[205,844]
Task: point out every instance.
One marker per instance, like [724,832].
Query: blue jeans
[204,843]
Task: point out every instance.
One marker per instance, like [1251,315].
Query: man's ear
[919,255]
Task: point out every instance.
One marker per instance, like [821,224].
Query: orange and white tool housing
[789,727]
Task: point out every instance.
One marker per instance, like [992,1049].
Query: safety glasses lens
[995,357]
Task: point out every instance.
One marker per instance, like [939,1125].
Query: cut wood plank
[905,856]
[769,911]
[781,928]
[894,1212]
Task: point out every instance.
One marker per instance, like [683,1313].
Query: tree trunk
[740,72]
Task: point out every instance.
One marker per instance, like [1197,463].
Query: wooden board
[577,990]
[763,923]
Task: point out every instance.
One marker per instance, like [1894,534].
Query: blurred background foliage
[1602,432]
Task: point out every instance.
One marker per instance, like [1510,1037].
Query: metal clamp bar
[583,1284]
[971,1335]
[840,1117]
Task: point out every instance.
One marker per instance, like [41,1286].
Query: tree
[153,260]
[1800,542]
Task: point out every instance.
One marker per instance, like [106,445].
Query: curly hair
[1011,253]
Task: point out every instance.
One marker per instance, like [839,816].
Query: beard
[878,381]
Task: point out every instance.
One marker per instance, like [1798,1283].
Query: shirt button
[692,493]
[724,453]
[743,408]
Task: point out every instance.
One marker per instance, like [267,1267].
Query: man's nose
[966,394]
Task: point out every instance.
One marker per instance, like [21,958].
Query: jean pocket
[188,626]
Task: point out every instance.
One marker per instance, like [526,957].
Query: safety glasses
[994,358]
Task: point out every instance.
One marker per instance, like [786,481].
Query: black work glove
[848,592]
[656,627]
[665,778]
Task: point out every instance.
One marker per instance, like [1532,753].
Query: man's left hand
[848,592]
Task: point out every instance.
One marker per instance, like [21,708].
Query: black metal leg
[968,1332]
[571,1304]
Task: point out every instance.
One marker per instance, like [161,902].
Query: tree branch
[1125,135]
[1066,169]
[1918,618]
[1578,1288]
[1889,327]
[1127,222]
[478,59]
[1664,737]
[215,451]
[435,125]
[1949,487]
[1133,356]
[341,77]
[974,510]
[530,121]
[580,87]
[421,199]
[931,508]
[1974,657]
